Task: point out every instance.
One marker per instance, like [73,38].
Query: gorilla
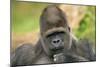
[55,45]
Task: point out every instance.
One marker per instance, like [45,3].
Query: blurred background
[25,21]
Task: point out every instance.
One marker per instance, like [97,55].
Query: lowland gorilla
[56,44]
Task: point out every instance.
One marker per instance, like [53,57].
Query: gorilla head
[55,32]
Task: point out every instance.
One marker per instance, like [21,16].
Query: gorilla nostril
[54,41]
[58,41]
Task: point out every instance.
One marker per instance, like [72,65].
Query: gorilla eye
[55,33]
[69,28]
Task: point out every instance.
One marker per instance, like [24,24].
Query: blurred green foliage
[87,28]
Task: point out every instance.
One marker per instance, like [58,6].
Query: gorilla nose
[56,42]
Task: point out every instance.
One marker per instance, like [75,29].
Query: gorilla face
[56,41]
[55,33]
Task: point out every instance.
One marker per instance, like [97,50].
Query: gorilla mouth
[57,50]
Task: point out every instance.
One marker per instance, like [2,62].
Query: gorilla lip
[57,51]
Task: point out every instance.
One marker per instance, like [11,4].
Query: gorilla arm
[85,49]
[25,55]
[82,50]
